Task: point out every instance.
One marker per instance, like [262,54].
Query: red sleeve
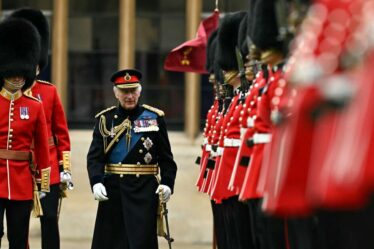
[59,127]
[41,149]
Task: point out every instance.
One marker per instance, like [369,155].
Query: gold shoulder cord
[118,130]
[103,130]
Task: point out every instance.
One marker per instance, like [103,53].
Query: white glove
[65,177]
[164,191]
[99,192]
[42,194]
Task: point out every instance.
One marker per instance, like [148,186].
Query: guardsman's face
[128,98]
[14,83]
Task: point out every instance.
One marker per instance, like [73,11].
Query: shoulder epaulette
[45,82]
[104,111]
[31,97]
[153,109]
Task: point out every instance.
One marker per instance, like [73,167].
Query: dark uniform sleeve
[165,159]
[96,156]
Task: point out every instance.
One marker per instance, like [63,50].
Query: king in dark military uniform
[130,147]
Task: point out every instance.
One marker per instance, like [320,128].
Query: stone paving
[189,211]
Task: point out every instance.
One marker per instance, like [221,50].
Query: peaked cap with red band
[128,78]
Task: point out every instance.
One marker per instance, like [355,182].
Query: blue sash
[120,150]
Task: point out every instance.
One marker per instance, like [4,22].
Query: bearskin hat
[210,51]
[250,17]
[265,33]
[242,36]
[228,40]
[218,74]
[19,50]
[40,22]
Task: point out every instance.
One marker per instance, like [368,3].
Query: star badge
[148,143]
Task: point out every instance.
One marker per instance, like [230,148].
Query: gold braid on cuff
[45,179]
[66,162]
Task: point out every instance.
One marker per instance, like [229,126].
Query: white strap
[232,142]
[250,122]
[208,147]
[219,151]
[261,138]
[242,132]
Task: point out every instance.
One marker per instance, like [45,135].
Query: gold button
[11,120]
[117,140]
[10,135]
[12,108]
[121,175]
[10,130]
[10,146]
[142,139]
[115,116]
[10,140]
[137,175]
[138,163]
[11,114]
[140,151]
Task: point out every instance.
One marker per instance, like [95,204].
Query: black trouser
[219,226]
[302,233]
[347,229]
[232,224]
[238,223]
[49,220]
[128,220]
[18,221]
[268,232]
[2,209]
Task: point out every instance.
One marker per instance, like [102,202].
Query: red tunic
[17,133]
[248,112]
[209,125]
[262,126]
[222,172]
[320,45]
[213,140]
[57,128]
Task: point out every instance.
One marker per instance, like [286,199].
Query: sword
[167,235]
[63,187]
[164,213]
[243,79]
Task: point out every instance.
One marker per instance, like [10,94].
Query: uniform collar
[10,96]
[133,113]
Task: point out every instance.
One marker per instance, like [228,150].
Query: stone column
[192,80]
[60,48]
[127,34]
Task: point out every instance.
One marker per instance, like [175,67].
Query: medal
[24,112]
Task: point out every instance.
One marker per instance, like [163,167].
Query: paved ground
[189,211]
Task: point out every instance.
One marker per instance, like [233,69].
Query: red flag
[190,56]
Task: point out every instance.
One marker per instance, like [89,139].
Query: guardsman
[268,231]
[227,41]
[236,216]
[22,122]
[130,147]
[247,99]
[212,113]
[58,136]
